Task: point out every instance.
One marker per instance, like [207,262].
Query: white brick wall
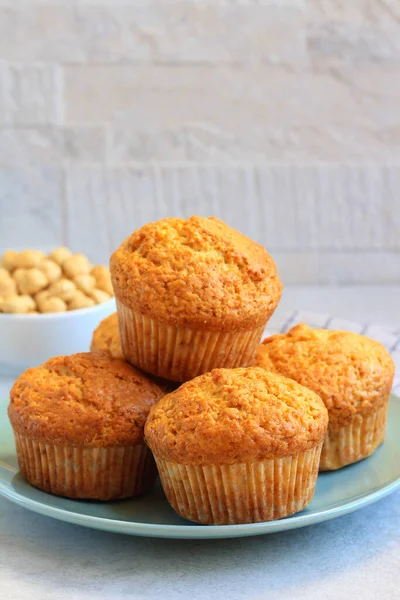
[32,94]
[282,117]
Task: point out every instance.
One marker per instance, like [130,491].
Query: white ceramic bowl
[29,340]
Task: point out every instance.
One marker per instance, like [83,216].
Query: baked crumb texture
[192,295]
[236,415]
[238,446]
[197,272]
[351,373]
[85,399]
[106,337]
[78,424]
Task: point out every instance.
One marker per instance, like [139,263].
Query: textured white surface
[279,116]
[31,201]
[356,556]
[322,224]
[32,94]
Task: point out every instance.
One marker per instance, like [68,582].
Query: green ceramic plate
[337,493]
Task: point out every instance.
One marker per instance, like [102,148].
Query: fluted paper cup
[86,472]
[241,493]
[355,441]
[180,354]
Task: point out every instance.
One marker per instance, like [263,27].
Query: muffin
[192,295]
[238,446]
[351,373]
[78,425]
[106,339]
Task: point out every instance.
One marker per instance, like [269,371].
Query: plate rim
[193,531]
[161,530]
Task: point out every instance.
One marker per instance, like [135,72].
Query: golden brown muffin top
[235,415]
[196,272]
[351,373]
[86,399]
[106,337]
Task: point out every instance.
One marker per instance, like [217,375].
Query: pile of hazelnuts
[33,282]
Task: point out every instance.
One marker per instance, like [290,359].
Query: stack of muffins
[177,383]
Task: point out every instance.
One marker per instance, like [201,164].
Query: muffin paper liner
[355,441]
[243,492]
[85,472]
[179,354]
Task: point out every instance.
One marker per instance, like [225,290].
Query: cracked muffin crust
[83,399]
[238,446]
[106,337]
[196,272]
[351,373]
[192,295]
[236,415]
[78,424]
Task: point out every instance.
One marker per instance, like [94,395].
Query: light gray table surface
[355,556]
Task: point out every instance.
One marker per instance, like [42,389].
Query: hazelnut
[50,269]
[63,288]
[103,279]
[7,284]
[79,300]
[99,296]
[9,260]
[40,297]
[29,258]
[52,304]
[32,281]
[19,274]
[77,264]
[85,283]
[17,304]
[60,254]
